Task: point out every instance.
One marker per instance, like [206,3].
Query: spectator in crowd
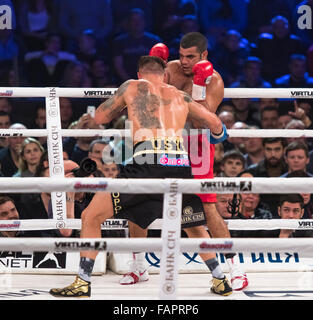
[226,105]
[216,17]
[75,76]
[261,12]
[228,118]
[250,206]
[295,124]
[129,46]
[40,123]
[277,46]
[88,48]
[8,211]
[5,123]
[302,111]
[307,197]
[297,76]
[273,165]
[78,149]
[251,77]
[229,56]
[100,74]
[66,112]
[233,162]
[121,10]
[9,48]
[223,201]
[296,157]
[46,67]
[237,143]
[291,206]
[110,170]
[244,111]
[9,156]
[283,120]
[188,23]
[30,154]
[36,19]
[77,16]
[269,117]
[167,16]
[253,150]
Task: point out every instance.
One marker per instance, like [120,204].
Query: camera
[86,168]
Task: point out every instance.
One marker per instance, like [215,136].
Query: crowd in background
[97,43]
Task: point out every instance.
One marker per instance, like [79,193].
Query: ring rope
[36,92]
[113,224]
[198,245]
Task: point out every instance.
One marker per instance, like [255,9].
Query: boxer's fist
[160,50]
[203,71]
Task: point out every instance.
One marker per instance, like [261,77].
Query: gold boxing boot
[78,289]
[221,286]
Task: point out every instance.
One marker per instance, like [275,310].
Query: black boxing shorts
[157,159]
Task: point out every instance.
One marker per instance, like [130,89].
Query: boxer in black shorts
[152,159]
[158,112]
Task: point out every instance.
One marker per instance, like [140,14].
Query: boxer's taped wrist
[198,92]
[218,135]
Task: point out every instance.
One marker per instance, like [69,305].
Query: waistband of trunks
[164,145]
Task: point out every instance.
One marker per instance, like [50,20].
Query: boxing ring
[169,284]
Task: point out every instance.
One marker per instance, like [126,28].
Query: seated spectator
[36,19]
[5,123]
[78,149]
[249,206]
[223,202]
[228,118]
[296,157]
[110,170]
[8,211]
[46,68]
[75,76]
[307,197]
[273,165]
[128,47]
[269,117]
[251,77]
[188,23]
[100,74]
[40,123]
[30,154]
[297,76]
[244,111]
[9,156]
[295,124]
[74,17]
[253,150]
[291,206]
[302,111]
[226,106]
[233,162]
[216,17]
[277,46]
[167,16]
[229,56]
[283,120]
[9,48]
[237,143]
[218,156]
[38,205]
[66,112]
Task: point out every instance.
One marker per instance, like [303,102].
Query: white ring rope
[155,244]
[152,186]
[114,224]
[34,92]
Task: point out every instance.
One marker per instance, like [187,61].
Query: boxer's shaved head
[150,64]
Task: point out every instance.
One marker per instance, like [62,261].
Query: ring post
[171,233]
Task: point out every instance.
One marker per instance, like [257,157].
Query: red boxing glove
[203,71]
[160,50]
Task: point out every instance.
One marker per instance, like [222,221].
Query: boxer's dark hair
[151,64]
[194,39]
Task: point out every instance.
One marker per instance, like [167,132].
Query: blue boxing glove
[214,139]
